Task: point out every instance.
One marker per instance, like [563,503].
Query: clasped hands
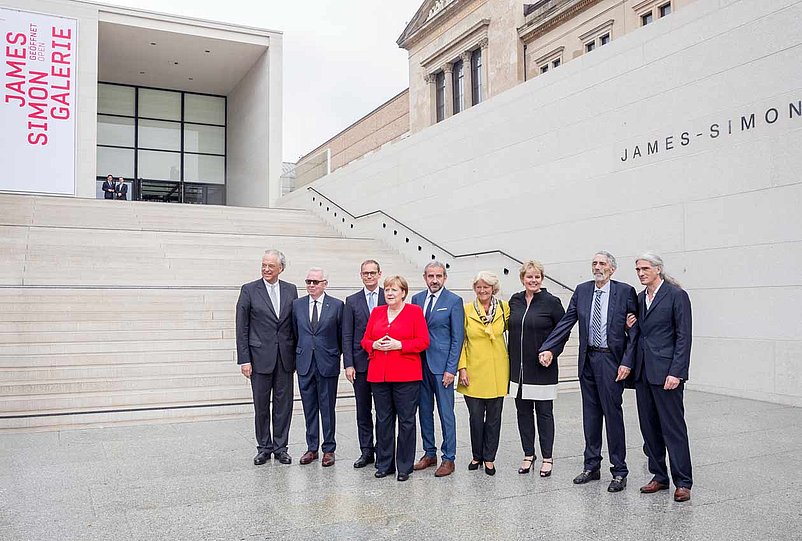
[386,343]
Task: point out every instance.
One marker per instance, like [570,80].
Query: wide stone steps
[125,313]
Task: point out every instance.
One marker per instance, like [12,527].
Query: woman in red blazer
[394,338]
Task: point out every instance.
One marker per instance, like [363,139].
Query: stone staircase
[118,312]
[123,312]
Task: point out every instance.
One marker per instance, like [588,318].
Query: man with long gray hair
[663,355]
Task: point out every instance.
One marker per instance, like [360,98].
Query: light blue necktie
[371,301]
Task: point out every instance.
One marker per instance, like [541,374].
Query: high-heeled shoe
[473,466]
[490,471]
[546,472]
[526,459]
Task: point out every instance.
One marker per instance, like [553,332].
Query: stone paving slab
[196,481]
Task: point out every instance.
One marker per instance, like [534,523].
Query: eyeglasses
[369,273]
[314,282]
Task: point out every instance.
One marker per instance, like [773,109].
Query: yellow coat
[485,359]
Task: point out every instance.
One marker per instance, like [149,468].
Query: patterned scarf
[487,319]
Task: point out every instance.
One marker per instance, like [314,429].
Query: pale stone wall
[559,167]
[384,124]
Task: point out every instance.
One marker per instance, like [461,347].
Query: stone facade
[515,43]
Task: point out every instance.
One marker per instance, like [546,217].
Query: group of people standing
[406,359]
[114,189]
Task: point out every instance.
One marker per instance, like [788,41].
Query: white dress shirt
[319,306]
[274,292]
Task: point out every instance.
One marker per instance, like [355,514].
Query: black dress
[529,328]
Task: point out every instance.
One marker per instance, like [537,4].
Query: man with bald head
[266,354]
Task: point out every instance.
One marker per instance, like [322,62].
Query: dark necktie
[314,316]
[429,307]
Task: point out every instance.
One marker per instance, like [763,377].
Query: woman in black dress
[534,312]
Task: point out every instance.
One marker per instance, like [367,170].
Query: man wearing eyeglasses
[317,319]
[355,359]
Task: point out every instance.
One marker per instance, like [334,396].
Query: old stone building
[462,52]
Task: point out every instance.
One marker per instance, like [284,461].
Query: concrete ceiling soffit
[431,14]
[551,15]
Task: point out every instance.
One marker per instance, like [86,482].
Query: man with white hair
[266,354]
[606,358]
[317,319]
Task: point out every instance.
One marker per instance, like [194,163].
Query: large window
[476,77]
[440,91]
[172,144]
[459,86]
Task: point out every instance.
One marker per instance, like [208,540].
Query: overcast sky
[340,57]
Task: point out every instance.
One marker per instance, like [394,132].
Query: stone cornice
[421,25]
[471,38]
[552,17]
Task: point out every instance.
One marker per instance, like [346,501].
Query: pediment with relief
[428,12]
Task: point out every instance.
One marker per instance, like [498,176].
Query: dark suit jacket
[121,191]
[262,335]
[106,187]
[621,342]
[664,345]
[446,326]
[355,321]
[325,342]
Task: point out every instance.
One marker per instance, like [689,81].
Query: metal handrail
[449,253]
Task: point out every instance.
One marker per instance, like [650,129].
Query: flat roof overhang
[163,51]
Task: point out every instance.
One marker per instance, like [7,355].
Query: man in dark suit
[317,319]
[266,354]
[663,356]
[121,189]
[445,319]
[606,358]
[108,187]
[355,359]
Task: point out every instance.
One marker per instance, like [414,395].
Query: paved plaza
[190,481]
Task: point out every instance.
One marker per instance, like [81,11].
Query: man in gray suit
[266,354]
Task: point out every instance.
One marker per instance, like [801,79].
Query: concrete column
[467,79]
[448,69]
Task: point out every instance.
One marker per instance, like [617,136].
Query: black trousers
[545,425]
[276,388]
[396,401]
[661,415]
[364,412]
[602,399]
[485,422]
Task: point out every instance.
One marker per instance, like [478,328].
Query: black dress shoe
[261,458]
[617,484]
[586,476]
[473,466]
[363,461]
[490,471]
[380,474]
[402,477]
[283,457]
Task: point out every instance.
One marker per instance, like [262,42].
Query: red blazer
[409,327]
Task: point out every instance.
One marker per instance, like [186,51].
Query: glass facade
[170,144]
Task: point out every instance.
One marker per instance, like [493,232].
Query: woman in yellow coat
[484,368]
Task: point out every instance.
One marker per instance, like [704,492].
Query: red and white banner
[37,107]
